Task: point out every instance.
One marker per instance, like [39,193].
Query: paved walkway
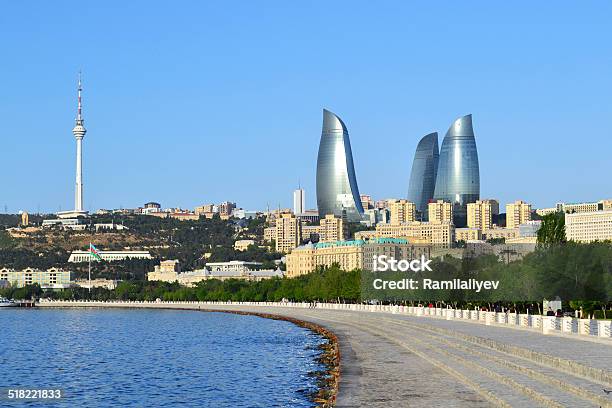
[403,361]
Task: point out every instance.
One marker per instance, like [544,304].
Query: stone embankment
[394,356]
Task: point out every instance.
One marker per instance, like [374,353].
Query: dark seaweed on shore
[328,380]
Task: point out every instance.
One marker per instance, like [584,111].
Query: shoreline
[330,356]
[327,383]
[386,350]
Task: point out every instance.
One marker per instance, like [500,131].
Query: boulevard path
[392,360]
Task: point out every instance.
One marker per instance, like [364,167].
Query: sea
[156,358]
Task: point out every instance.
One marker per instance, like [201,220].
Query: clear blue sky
[195,102]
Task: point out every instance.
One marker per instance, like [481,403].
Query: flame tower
[337,191]
[458,178]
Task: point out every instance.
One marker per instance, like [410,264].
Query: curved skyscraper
[337,191]
[458,179]
[423,174]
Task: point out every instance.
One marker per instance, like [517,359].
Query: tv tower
[79,133]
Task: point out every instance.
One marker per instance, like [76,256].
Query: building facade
[270,233]
[288,233]
[501,233]
[430,233]
[440,211]
[601,205]
[84,256]
[240,266]
[309,216]
[366,202]
[458,178]
[481,213]
[299,201]
[517,213]
[226,208]
[53,277]
[337,191]
[468,234]
[402,211]
[349,255]
[423,174]
[589,226]
[243,244]
[331,228]
[171,273]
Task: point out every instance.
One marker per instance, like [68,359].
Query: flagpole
[90,267]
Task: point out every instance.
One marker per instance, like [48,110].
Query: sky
[194,102]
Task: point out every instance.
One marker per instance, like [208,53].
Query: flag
[93,252]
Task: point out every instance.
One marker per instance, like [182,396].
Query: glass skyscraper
[458,179]
[423,175]
[337,191]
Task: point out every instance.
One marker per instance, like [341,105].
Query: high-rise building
[380,204]
[331,228]
[423,174]
[226,208]
[206,210]
[517,213]
[288,233]
[458,178]
[337,190]
[480,214]
[299,201]
[440,211]
[402,211]
[366,201]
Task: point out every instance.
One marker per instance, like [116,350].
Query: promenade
[395,357]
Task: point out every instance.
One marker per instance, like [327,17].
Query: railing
[542,324]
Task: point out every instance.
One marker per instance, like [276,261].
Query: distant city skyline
[226,106]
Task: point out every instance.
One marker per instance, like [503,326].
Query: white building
[308,216]
[96,283]
[83,256]
[193,277]
[110,226]
[65,223]
[243,244]
[241,213]
[589,226]
[240,266]
[299,201]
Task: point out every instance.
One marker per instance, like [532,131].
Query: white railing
[543,324]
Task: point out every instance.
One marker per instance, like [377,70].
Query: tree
[552,230]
